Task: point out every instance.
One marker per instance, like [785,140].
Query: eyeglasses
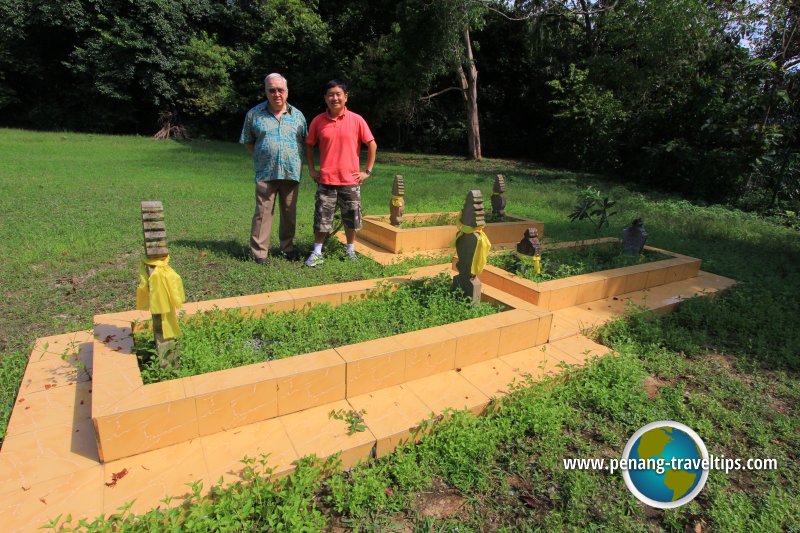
[275,90]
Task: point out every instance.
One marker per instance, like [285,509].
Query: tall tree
[439,34]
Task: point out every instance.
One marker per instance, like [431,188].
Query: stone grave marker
[530,244]
[529,250]
[155,248]
[396,206]
[499,196]
[467,243]
[634,238]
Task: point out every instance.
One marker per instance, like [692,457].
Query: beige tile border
[399,240]
[130,418]
[577,290]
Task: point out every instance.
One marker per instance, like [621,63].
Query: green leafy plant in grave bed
[217,340]
[562,263]
[594,207]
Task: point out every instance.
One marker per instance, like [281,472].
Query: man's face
[335,98]
[276,94]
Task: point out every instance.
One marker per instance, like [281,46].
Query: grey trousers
[261,229]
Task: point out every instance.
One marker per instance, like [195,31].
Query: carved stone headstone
[466,244]
[155,247]
[634,238]
[396,206]
[499,196]
[530,243]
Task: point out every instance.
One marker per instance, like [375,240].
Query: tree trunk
[468,78]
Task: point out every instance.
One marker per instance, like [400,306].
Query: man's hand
[360,177]
[315,174]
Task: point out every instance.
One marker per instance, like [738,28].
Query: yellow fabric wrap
[482,249]
[161,294]
[533,261]
[398,201]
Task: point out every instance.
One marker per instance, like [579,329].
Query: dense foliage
[694,96]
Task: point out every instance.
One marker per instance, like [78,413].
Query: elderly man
[274,132]
[340,134]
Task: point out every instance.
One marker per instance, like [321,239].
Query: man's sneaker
[351,256]
[314,259]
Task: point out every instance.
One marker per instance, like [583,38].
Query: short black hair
[335,83]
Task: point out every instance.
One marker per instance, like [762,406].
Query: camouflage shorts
[349,200]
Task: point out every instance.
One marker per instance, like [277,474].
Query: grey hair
[275,76]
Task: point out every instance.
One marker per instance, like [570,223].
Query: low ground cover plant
[216,340]
[566,262]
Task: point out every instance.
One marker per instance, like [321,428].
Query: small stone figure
[634,237]
[472,247]
[160,289]
[499,196]
[396,207]
[530,244]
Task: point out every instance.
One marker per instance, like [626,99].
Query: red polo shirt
[340,141]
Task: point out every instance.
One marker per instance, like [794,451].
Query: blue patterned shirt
[278,143]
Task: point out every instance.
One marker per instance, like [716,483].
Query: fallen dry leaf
[116,476]
[529,501]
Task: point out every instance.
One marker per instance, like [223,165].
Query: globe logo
[665,464]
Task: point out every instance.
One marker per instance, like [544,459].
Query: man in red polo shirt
[339,133]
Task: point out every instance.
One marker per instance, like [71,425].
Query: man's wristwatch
[367,171]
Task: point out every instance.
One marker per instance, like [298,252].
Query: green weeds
[217,340]
[354,419]
[565,262]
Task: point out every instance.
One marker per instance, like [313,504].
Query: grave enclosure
[205,424]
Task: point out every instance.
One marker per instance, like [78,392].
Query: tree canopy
[696,96]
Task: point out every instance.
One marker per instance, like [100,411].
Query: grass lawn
[71,240]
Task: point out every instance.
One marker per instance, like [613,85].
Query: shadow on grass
[231,248]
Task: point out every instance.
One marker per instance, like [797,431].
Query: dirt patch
[439,502]
[728,363]
[652,385]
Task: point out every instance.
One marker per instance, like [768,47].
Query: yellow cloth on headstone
[398,201]
[525,259]
[161,294]
[481,250]
[533,261]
